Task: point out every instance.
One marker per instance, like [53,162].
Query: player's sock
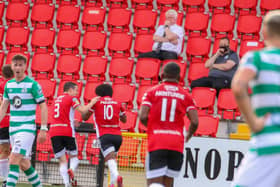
[63,172]
[33,177]
[13,175]
[4,168]
[74,162]
[112,164]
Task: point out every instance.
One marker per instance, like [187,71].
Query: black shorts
[110,143]
[4,135]
[61,144]
[163,163]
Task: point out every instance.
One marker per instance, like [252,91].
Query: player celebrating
[107,113]
[260,166]
[62,131]
[4,128]
[163,109]
[23,94]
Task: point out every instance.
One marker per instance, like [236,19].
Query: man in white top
[168,39]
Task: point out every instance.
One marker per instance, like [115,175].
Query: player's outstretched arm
[85,110]
[42,136]
[3,109]
[193,117]
[144,113]
[240,90]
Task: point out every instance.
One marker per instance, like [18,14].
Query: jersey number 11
[164,108]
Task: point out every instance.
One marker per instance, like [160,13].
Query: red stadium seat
[38,115]
[227,106]
[193,5]
[204,99]
[219,6]
[124,93]
[198,49]
[17,14]
[144,21]
[68,67]
[17,39]
[2,7]
[147,71]
[130,124]
[43,65]
[2,56]
[2,31]
[66,2]
[90,91]
[42,15]
[196,24]
[143,43]
[118,20]
[42,1]
[249,45]
[196,71]
[232,45]
[62,82]
[183,69]
[119,44]
[92,149]
[94,68]
[248,27]
[67,17]
[94,43]
[92,3]
[48,87]
[141,91]
[180,16]
[81,139]
[164,5]
[142,4]
[208,126]
[42,40]
[222,25]
[44,151]
[116,3]
[247,7]
[93,19]
[68,41]
[121,69]
[11,54]
[267,5]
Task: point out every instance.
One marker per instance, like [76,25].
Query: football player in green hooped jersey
[261,165]
[23,94]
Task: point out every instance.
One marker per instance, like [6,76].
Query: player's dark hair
[225,38]
[104,90]
[69,85]
[7,71]
[19,57]
[171,70]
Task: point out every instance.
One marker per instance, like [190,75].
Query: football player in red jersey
[107,113]
[7,73]
[162,111]
[62,131]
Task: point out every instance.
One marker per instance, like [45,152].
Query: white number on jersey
[108,112]
[56,110]
[164,108]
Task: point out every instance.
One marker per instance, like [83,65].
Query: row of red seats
[241,7]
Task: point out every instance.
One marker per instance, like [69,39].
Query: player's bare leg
[168,181]
[74,162]
[157,180]
[113,168]
[4,162]
[63,169]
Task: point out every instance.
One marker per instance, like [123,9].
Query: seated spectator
[222,65]
[168,39]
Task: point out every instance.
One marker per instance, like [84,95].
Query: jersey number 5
[56,110]
[108,112]
[164,108]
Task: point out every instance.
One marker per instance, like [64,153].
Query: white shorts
[22,143]
[258,171]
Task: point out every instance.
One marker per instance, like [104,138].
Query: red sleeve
[75,102]
[190,104]
[146,99]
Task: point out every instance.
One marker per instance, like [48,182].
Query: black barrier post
[100,171]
